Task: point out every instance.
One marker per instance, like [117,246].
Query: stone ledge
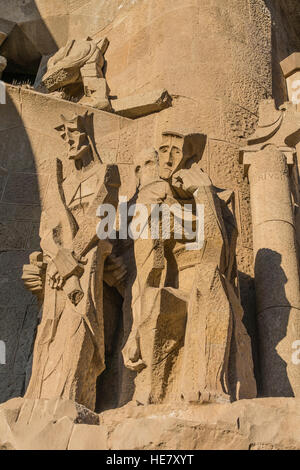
[258,424]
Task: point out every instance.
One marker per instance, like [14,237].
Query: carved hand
[191,180]
[62,267]
[132,353]
[114,271]
[34,273]
[32,278]
[54,280]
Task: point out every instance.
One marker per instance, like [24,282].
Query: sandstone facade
[143,102]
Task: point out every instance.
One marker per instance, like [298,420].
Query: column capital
[248,155]
[277,127]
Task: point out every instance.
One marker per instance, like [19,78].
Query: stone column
[276,271]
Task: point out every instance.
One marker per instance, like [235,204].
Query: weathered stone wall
[214,58]
[20,215]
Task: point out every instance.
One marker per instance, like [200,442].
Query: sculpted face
[171,155]
[147,167]
[76,139]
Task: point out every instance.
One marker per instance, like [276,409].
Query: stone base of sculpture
[257,424]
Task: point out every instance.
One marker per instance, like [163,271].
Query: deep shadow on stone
[272,328]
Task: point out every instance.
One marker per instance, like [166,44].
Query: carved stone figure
[69,347]
[187,339]
[80,63]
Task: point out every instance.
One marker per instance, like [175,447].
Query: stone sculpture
[69,347]
[271,164]
[80,64]
[187,339]
[172,329]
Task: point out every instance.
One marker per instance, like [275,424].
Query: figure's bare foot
[132,353]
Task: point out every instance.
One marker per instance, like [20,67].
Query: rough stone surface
[168,103]
[138,106]
[49,422]
[260,424]
[210,94]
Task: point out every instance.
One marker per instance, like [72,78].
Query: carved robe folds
[187,339]
[69,347]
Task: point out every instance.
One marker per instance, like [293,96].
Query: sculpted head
[177,150]
[74,134]
[146,166]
